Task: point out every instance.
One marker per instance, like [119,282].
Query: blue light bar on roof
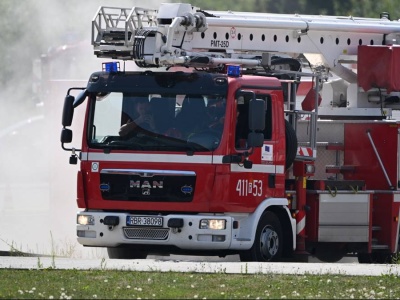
[233,71]
[111,67]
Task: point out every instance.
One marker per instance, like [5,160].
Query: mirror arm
[246,154]
[240,158]
[70,149]
[73,159]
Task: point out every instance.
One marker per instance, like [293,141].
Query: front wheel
[125,253]
[268,243]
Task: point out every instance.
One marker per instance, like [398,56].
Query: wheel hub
[269,242]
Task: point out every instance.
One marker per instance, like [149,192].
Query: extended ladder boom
[184,35]
[329,46]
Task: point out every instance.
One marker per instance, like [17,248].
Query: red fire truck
[222,156]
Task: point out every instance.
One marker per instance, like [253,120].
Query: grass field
[101,284]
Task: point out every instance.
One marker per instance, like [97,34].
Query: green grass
[74,284]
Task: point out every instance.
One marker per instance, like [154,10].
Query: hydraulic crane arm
[179,34]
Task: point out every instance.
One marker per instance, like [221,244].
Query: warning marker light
[233,71]
[111,67]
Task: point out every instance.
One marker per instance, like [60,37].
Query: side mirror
[256,123]
[255,139]
[66,135]
[256,115]
[68,111]
[70,102]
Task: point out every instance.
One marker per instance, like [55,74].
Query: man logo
[146,184]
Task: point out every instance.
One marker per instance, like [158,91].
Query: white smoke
[37,183]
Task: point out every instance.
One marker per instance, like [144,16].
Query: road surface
[155,265]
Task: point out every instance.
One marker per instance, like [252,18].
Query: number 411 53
[247,187]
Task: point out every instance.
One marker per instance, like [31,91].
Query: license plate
[144,221]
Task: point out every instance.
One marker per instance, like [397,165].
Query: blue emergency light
[111,67]
[233,71]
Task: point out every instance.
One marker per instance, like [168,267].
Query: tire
[268,242]
[330,253]
[375,258]
[125,253]
[364,258]
[291,144]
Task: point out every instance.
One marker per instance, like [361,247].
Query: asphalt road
[156,265]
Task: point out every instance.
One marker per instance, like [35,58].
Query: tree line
[358,8]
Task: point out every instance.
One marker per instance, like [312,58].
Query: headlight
[85,220]
[216,224]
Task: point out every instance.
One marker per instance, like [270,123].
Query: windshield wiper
[153,143]
[123,145]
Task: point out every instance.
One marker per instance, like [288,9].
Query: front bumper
[189,236]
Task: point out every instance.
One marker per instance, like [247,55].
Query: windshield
[157,122]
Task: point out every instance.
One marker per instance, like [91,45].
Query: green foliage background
[360,8]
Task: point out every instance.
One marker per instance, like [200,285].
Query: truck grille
[147,185]
[146,233]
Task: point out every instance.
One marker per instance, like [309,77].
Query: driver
[143,119]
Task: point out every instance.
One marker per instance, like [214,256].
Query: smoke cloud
[37,183]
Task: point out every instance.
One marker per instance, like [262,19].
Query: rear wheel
[125,253]
[330,252]
[268,243]
[375,258]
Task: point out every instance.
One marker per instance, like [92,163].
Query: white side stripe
[178,158]
[140,157]
[258,169]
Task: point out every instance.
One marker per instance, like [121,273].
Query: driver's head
[142,107]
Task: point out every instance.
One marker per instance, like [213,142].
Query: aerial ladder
[182,35]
